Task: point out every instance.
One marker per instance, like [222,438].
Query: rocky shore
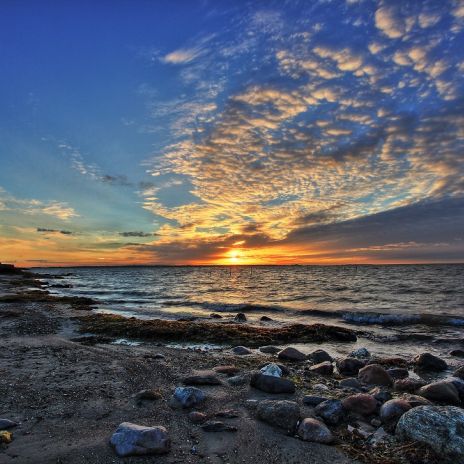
[74,392]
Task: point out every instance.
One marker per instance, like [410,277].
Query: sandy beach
[68,391]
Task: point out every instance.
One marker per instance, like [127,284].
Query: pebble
[241,350]
[135,440]
[374,374]
[291,354]
[271,384]
[315,431]
[331,411]
[361,403]
[323,368]
[429,362]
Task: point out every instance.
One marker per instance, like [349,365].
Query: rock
[251,404]
[269,349]
[440,427]
[313,400]
[203,378]
[374,374]
[239,380]
[351,383]
[285,370]
[457,353]
[349,366]
[313,430]
[429,362]
[291,354]
[331,411]
[398,373]
[135,440]
[228,370]
[271,384]
[441,392]
[391,411]
[459,385]
[283,414]
[6,424]
[228,414]
[218,426]
[215,316]
[6,437]
[416,400]
[361,403]
[359,432]
[320,356]
[320,387]
[323,368]
[380,437]
[360,353]
[158,356]
[240,317]
[265,319]
[392,362]
[271,369]
[376,422]
[197,417]
[241,350]
[408,385]
[380,394]
[147,395]
[459,372]
[187,397]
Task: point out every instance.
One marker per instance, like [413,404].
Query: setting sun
[234,256]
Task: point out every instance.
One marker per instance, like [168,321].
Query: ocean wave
[226,307]
[388,319]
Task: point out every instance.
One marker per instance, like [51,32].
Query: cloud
[135,234]
[391,21]
[54,231]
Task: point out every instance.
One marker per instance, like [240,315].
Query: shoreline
[70,386]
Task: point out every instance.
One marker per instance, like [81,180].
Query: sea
[395,305]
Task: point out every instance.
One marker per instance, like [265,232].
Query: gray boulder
[313,430]
[187,397]
[283,414]
[135,440]
[440,427]
[331,411]
[271,369]
[271,384]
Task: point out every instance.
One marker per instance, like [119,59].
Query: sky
[231,132]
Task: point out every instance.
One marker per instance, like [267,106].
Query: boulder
[239,380]
[313,400]
[7,424]
[265,319]
[380,394]
[391,411]
[240,317]
[457,353]
[291,354]
[429,362]
[459,372]
[197,417]
[416,400]
[440,427]
[408,385]
[227,370]
[187,397]
[283,414]
[360,353]
[241,350]
[269,349]
[285,370]
[351,383]
[203,378]
[441,392]
[215,316]
[320,356]
[361,403]
[135,440]
[397,373]
[218,426]
[271,384]
[331,411]
[313,430]
[271,369]
[374,374]
[323,368]
[349,366]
